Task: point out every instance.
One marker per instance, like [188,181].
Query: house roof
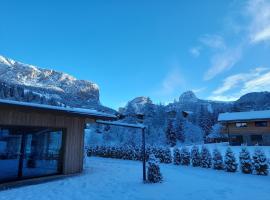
[141,126]
[77,111]
[244,116]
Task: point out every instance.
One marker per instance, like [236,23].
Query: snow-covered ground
[118,179]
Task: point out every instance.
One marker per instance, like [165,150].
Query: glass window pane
[10,144]
[241,124]
[43,153]
[261,123]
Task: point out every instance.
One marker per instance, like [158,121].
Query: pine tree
[195,156]
[260,164]
[245,161]
[170,134]
[217,160]
[230,161]
[178,125]
[153,170]
[166,155]
[176,156]
[184,156]
[206,158]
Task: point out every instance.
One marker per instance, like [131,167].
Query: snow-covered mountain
[205,112]
[136,105]
[24,82]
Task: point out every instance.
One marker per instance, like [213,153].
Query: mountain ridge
[24,82]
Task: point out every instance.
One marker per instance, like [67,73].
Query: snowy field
[118,179]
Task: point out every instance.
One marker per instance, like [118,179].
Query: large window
[256,139]
[27,152]
[261,123]
[240,124]
[236,140]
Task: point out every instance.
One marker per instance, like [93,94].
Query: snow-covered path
[122,180]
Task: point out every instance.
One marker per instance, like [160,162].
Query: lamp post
[140,117]
[137,126]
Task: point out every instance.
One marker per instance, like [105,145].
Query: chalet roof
[78,111]
[242,116]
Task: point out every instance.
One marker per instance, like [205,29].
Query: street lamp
[140,118]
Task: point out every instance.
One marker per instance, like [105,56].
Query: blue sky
[218,49]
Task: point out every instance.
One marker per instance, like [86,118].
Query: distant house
[42,141]
[251,128]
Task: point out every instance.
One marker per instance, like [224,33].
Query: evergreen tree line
[163,154]
[257,163]
[248,164]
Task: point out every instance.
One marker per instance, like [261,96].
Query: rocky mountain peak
[188,96]
[45,85]
[141,100]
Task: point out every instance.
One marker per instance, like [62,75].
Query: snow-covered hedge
[246,163]
[163,154]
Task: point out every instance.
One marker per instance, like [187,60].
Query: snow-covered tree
[245,161]
[204,119]
[193,133]
[170,134]
[176,156]
[184,156]
[215,132]
[206,158]
[164,154]
[195,156]
[178,125]
[230,164]
[153,170]
[260,164]
[217,160]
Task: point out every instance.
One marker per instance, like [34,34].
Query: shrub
[206,158]
[217,160]
[260,164]
[164,155]
[184,156]
[230,164]
[176,156]
[153,170]
[245,161]
[195,157]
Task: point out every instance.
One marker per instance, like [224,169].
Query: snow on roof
[79,111]
[251,115]
[121,124]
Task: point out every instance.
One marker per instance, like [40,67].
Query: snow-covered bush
[215,133]
[163,154]
[176,156]
[217,160]
[245,161]
[184,156]
[193,133]
[230,164]
[260,164]
[206,158]
[153,170]
[195,156]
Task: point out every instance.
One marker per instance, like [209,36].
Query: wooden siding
[72,124]
[250,129]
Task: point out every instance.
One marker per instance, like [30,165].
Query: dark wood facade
[245,134]
[72,125]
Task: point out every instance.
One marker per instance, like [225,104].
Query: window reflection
[27,152]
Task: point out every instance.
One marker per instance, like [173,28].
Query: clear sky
[218,49]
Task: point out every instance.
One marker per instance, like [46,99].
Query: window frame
[241,124]
[256,123]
